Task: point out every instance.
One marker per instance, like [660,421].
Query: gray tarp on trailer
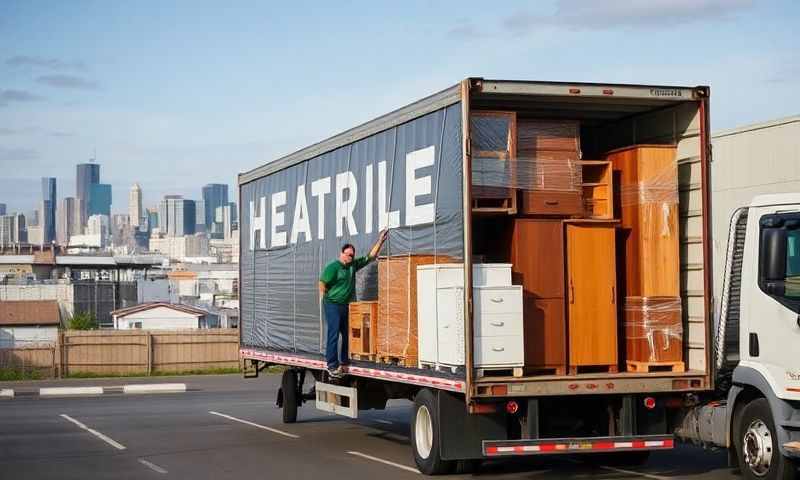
[415,166]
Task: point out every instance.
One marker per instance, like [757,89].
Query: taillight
[512,407]
[649,403]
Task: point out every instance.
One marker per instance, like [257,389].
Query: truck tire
[424,435]
[289,390]
[757,445]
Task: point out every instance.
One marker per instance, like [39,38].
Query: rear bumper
[547,446]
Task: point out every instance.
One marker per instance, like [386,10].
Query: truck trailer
[546,286]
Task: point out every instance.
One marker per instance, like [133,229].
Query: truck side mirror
[772,260]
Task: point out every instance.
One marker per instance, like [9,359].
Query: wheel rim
[423,432]
[757,448]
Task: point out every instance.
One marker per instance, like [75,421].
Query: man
[337,284]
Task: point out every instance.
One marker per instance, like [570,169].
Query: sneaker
[336,372]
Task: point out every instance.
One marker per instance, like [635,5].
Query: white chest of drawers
[498,316]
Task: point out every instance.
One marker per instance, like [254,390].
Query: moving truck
[546,286]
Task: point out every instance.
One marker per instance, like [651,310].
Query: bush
[82,321]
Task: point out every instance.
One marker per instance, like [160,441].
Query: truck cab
[756,413]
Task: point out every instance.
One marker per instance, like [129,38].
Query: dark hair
[348,245]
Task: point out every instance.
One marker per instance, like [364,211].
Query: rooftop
[122,312]
[29,312]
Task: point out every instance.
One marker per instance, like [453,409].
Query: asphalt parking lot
[228,427]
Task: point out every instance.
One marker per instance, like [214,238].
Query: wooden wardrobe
[647,179]
[537,256]
[591,294]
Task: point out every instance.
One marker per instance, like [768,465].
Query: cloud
[465,31]
[613,14]
[9,96]
[18,154]
[48,63]
[68,81]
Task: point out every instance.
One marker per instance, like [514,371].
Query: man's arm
[377,247]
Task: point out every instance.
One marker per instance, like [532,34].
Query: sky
[177,94]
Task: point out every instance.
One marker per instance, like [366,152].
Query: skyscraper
[48,216]
[176,216]
[13,229]
[135,205]
[87,174]
[2,208]
[69,220]
[100,199]
[214,195]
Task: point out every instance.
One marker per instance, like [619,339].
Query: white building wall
[18,337]
[750,161]
[161,318]
[62,292]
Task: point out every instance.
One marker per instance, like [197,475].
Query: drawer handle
[498,349]
[498,324]
[551,202]
[497,300]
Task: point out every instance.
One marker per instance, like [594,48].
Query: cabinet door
[450,326]
[544,332]
[537,256]
[591,294]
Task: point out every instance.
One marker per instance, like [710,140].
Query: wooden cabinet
[549,178]
[648,209]
[591,295]
[596,182]
[494,138]
[537,257]
[363,324]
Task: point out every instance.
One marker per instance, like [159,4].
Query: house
[160,316]
[28,322]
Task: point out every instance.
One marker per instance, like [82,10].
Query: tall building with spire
[135,205]
[86,175]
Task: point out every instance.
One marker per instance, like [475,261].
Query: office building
[69,220]
[2,208]
[177,216]
[135,205]
[215,195]
[99,199]
[87,174]
[13,229]
[48,210]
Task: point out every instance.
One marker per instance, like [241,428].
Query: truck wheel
[424,435]
[759,455]
[289,389]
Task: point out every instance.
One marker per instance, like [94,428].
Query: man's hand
[377,247]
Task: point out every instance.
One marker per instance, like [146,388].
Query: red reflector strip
[525,447]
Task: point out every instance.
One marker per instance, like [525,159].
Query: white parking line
[152,466]
[97,434]
[622,470]
[246,422]
[385,462]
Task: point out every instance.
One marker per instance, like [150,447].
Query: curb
[6,393]
[126,389]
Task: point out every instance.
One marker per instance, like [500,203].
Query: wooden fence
[127,352]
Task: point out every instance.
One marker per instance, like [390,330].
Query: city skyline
[227,95]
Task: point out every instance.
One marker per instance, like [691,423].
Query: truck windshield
[793,264]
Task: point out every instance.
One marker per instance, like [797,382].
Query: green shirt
[341,279]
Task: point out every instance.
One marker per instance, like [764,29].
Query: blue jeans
[336,319]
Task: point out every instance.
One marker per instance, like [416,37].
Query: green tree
[83,321]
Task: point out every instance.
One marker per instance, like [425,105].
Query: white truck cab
[755,411]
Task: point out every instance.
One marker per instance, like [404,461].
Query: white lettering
[301,224]
[346,181]
[258,223]
[368,193]
[319,188]
[385,219]
[415,187]
[277,239]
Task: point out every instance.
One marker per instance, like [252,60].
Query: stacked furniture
[497,318]
[648,210]
[494,153]
[397,308]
